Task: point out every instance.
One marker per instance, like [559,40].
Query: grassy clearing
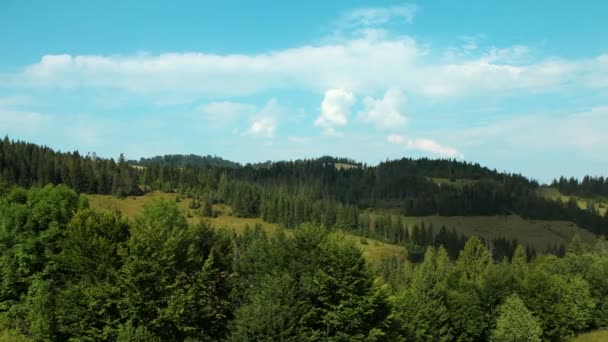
[459,183]
[344,166]
[601,204]
[373,250]
[540,234]
[595,336]
[13,336]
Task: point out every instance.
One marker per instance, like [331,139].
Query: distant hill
[183,160]
[327,189]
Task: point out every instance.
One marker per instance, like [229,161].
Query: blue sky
[518,86]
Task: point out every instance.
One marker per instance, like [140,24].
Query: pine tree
[516,323]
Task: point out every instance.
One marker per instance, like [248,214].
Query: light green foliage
[562,303]
[12,336]
[421,312]
[594,336]
[577,246]
[31,227]
[40,305]
[474,260]
[129,333]
[516,323]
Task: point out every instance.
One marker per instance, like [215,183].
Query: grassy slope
[595,336]
[373,250]
[538,233]
[601,204]
[459,183]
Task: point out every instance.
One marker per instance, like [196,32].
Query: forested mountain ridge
[183,160]
[294,192]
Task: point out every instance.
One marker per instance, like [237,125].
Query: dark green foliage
[311,287]
[301,191]
[587,187]
[28,165]
[173,281]
[72,273]
[180,160]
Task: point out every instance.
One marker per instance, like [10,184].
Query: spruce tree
[516,323]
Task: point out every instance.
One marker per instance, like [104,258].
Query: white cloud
[265,123]
[425,145]
[335,107]
[387,112]
[262,127]
[364,65]
[363,57]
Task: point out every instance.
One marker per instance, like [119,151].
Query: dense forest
[181,160]
[300,190]
[73,273]
[587,187]
[70,272]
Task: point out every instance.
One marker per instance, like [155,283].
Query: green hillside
[373,250]
[541,234]
[598,203]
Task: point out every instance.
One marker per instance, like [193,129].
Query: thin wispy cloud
[376,16]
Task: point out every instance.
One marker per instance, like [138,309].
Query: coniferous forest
[71,272]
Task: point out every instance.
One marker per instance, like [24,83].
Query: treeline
[72,273]
[589,186]
[405,184]
[27,165]
[183,160]
[417,238]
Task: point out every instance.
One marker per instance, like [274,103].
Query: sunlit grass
[373,250]
[601,204]
[595,336]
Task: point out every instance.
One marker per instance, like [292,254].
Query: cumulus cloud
[387,112]
[335,107]
[265,123]
[262,127]
[425,145]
